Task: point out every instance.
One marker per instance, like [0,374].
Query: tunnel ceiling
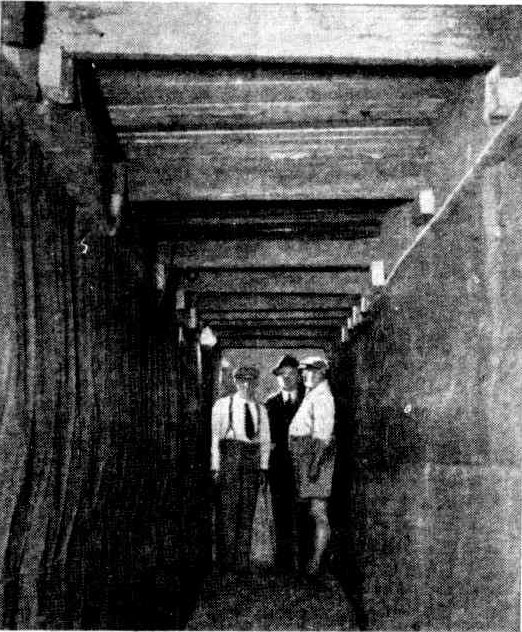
[246,168]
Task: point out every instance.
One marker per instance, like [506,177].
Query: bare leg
[318,511]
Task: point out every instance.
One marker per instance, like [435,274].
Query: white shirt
[316,415]
[220,427]
[289,395]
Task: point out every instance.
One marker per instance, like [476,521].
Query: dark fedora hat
[287,360]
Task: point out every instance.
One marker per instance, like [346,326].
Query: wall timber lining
[436,421]
[89,360]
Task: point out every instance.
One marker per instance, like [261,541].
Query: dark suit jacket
[280,415]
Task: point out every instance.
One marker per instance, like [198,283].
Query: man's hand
[313,471]
[314,468]
[322,453]
[263,478]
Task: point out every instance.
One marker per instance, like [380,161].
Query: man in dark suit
[281,408]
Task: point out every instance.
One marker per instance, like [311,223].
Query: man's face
[288,378]
[246,388]
[312,377]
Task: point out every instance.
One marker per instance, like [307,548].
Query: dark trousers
[238,482]
[285,511]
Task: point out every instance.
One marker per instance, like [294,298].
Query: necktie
[289,399]
[250,431]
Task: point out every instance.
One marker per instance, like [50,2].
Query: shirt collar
[289,395]
[322,386]
[242,399]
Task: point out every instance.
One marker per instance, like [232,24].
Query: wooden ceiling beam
[194,272]
[295,315]
[362,163]
[210,213]
[235,301]
[284,282]
[185,87]
[276,331]
[95,106]
[271,323]
[199,252]
[214,65]
[248,342]
[263,219]
[346,227]
[213,116]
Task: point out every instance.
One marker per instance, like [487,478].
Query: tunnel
[187,188]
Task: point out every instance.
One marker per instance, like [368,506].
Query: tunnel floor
[265,600]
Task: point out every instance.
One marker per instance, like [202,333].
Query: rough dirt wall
[101,485]
[436,423]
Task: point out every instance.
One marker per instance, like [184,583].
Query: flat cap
[246,372]
[313,362]
[287,360]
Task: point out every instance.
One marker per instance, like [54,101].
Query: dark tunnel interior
[177,203]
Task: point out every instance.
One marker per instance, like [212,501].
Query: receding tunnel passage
[203,204]
[276,593]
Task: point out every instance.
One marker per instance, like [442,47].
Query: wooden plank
[275,331]
[247,342]
[295,315]
[270,324]
[290,164]
[309,221]
[231,301]
[284,281]
[182,88]
[22,24]
[258,66]
[322,268]
[266,210]
[361,230]
[169,116]
[271,252]
[458,137]
[357,139]
[504,143]
[330,32]
[346,227]
[93,102]
[255,220]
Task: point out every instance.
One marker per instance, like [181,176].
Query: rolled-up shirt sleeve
[264,438]
[323,411]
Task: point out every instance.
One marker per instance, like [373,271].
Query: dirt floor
[270,601]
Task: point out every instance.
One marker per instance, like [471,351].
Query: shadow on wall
[265,360]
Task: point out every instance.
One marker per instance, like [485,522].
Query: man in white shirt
[240,451]
[313,451]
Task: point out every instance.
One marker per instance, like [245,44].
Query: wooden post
[180,299]
[355,314]
[160,276]
[377,272]
[193,320]
[425,207]
[501,96]
[22,24]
